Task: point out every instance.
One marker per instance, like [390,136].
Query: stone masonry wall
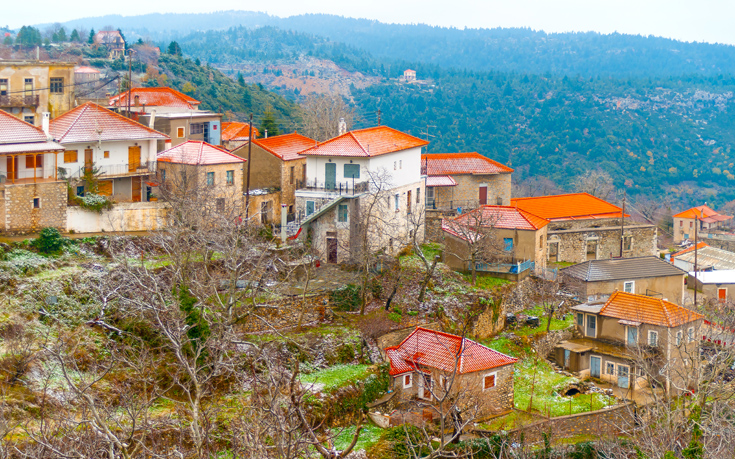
[21,217]
[467,192]
[573,242]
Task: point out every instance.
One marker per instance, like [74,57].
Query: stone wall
[573,242]
[19,214]
[433,223]
[256,207]
[466,193]
[284,314]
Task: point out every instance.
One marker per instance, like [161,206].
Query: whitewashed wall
[118,160]
[133,216]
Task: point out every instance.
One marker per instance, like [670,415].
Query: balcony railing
[18,101]
[348,187]
[112,170]
[512,268]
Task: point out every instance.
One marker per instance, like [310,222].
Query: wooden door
[330,176]
[12,168]
[483,195]
[105,187]
[136,189]
[722,294]
[88,159]
[331,250]
[133,158]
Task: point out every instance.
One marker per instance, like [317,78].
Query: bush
[347,298]
[94,202]
[395,317]
[49,241]
[24,262]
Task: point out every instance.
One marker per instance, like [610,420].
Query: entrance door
[136,189]
[592,326]
[632,336]
[595,367]
[722,294]
[483,195]
[330,176]
[425,387]
[554,251]
[133,158]
[88,160]
[623,371]
[12,168]
[332,250]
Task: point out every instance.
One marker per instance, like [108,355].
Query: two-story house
[113,41]
[708,219]
[32,196]
[28,89]
[651,276]
[429,364]
[146,100]
[583,227]
[365,182]
[633,341]
[464,180]
[120,151]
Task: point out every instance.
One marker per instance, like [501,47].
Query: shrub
[94,202]
[395,317]
[49,241]
[346,299]
[24,262]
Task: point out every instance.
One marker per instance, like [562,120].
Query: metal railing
[511,268]
[349,187]
[112,170]
[18,101]
[457,205]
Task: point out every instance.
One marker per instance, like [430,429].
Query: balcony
[18,101]
[346,188]
[109,171]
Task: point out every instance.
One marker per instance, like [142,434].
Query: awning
[440,180]
[629,322]
[31,147]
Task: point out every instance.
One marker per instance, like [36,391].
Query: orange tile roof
[156,97]
[90,122]
[14,130]
[235,130]
[572,206]
[443,351]
[368,142]
[286,146]
[503,217]
[198,153]
[647,310]
[704,213]
[461,163]
[699,245]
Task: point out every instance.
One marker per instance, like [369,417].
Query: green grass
[369,435]
[431,250]
[485,282]
[556,324]
[510,421]
[337,376]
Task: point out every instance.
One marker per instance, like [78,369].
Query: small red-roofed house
[503,240]
[630,339]
[464,180]
[162,100]
[235,134]
[209,175]
[709,222]
[430,364]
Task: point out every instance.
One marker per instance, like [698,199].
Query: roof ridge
[367,152]
[79,113]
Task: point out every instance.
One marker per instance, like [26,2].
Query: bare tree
[596,182]
[472,239]
[321,115]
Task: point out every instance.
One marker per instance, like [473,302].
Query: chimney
[38,53]
[342,127]
[45,117]
[266,133]
[152,119]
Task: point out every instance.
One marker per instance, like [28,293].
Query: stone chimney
[45,118]
[342,127]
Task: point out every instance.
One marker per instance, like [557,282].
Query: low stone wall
[284,314]
[130,216]
[433,224]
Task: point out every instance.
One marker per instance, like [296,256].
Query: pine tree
[75,36]
[240,79]
[61,36]
[174,49]
[269,123]
[90,40]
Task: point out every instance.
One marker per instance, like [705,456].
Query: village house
[706,258]
[236,134]
[147,100]
[715,284]
[429,364]
[113,41]
[583,227]
[344,175]
[511,242]
[651,276]
[32,196]
[196,170]
[709,222]
[464,181]
[119,152]
[28,89]
[630,340]
[277,171]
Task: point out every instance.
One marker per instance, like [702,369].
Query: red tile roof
[699,246]
[440,180]
[14,130]
[368,142]
[90,122]
[235,130]
[704,213]
[575,206]
[461,163]
[287,146]
[647,310]
[198,153]
[156,97]
[442,351]
[503,217]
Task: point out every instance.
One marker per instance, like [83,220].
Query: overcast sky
[690,20]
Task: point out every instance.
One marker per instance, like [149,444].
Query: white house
[122,151]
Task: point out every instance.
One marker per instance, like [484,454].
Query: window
[690,334]
[80,191]
[678,338]
[220,204]
[57,86]
[681,223]
[210,178]
[400,164]
[3,86]
[303,173]
[290,174]
[508,243]
[28,85]
[609,368]
[30,119]
[629,287]
[418,195]
[407,381]
[36,203]
[541,242]
[342,213]
[627,243]
[30,161]
[691,224]
[352,171]
[196,128]
[592,326]
[632,336]
[180,132]
[70,156]
[580,319]
[230,177]
[488,382]
[652,338]
[309,208]
[397,202]
[106,154]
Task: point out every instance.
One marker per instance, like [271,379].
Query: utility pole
[696,227]
[379,117]
[247,185]
[622,224]
[130,78]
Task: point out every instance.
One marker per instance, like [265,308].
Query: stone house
[715,284]
[32,196]
[465,180]
[277,168]
[583,227]
[113,41]
[632,341]
[651,276]
[709,221]
[706,258]
[122,151]
[29,89]
[430,364]
[205,172]
[147,100]
[374,171]
[516,242]
[235,134]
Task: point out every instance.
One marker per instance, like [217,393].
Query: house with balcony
[32,196]
[634,342]
[30,88]
[464,181]
[708,221]
[120,152]
[363,185]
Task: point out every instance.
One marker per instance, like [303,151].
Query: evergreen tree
[61,35]
[8,40]
[240,79]
[90,40]
[28,36]
[174,49]
[269,123]
[75,36]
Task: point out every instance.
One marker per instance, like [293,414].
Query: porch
[25,168]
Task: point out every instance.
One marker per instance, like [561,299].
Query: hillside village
[179,283]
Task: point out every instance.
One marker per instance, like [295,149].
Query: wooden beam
[35,155]
[56,166]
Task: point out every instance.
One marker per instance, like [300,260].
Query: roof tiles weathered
[461,163]
[286,146]
[622,268]
[155,97]
[647,310]
[198,153]
[235,130]
[366,143]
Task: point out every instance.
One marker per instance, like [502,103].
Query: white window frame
[614,365]
[424,392]
[632,286]
[690,334]
[580,314]
[586,323]
[410,380]
[650,334]
[495,384]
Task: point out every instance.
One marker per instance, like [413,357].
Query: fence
[109,170]
[511,268]
[346,187]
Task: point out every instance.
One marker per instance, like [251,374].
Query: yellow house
[27,89]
